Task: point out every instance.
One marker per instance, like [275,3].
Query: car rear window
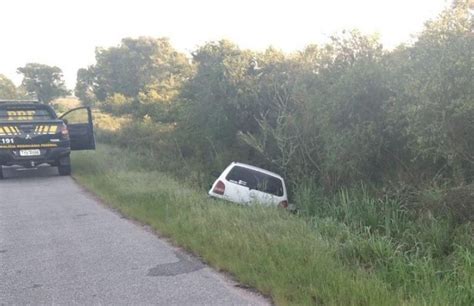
[256,180]
[24,114]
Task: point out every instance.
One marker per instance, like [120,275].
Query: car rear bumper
[11,157]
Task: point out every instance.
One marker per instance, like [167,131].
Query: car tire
[1,173]
[64,166]
[64,170]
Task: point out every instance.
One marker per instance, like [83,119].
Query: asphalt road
[59,245]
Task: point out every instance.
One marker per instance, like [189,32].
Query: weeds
[350,249]
[416,252]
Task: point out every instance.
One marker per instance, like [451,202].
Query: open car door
[81,129]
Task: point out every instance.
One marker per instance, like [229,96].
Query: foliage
[84,89]
[62,105]
[215,102]
[335,114]
[341,113]
[436,97]
[43,81]
[8,90]
[146,72]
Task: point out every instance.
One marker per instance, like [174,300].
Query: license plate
[34,152]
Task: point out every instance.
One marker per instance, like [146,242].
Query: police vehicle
[32,134]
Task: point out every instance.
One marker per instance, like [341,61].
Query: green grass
[293,260]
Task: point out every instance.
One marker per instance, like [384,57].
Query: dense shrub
[333,115]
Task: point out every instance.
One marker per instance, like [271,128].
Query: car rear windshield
[25,114]
[256,180]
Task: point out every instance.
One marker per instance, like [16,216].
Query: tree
[84,89]
[7,88]
[463,4]
[46,82]
[436,97]
[135,65]
[146,72]
[217,100]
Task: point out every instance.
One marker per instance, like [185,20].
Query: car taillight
[64,131]
[283,204]
[219,188]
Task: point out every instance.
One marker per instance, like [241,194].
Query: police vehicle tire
[64,170]
[64,166]
[1,172]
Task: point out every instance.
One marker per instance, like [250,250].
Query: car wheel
[64,166]
[1,172]
[64,170]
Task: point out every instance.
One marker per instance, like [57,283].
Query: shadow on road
[22,173]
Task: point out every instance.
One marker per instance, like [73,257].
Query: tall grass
[349,250]
[420,253]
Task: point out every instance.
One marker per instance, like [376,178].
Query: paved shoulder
[58,245]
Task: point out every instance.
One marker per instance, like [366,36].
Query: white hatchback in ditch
[245,184]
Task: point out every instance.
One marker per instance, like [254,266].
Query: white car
[245,184]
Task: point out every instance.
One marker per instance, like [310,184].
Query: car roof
[257,169]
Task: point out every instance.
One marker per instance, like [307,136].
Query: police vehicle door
[81,129]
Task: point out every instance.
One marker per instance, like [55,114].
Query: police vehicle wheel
[64,166]
[64,170]
[1,172]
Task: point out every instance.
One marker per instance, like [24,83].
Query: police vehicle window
[255,180]
[77,116]
[14,114]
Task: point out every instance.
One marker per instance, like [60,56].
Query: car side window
[242,176]
[255,180]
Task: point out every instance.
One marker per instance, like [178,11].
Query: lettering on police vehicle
[21,115]
[7,140]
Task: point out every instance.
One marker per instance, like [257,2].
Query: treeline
[40,82]
[336,114]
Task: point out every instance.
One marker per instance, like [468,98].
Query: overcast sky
[65,33]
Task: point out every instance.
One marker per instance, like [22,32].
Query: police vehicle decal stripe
[9,130]
[39,130]
[53,129]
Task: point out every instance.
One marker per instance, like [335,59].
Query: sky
[65,33]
